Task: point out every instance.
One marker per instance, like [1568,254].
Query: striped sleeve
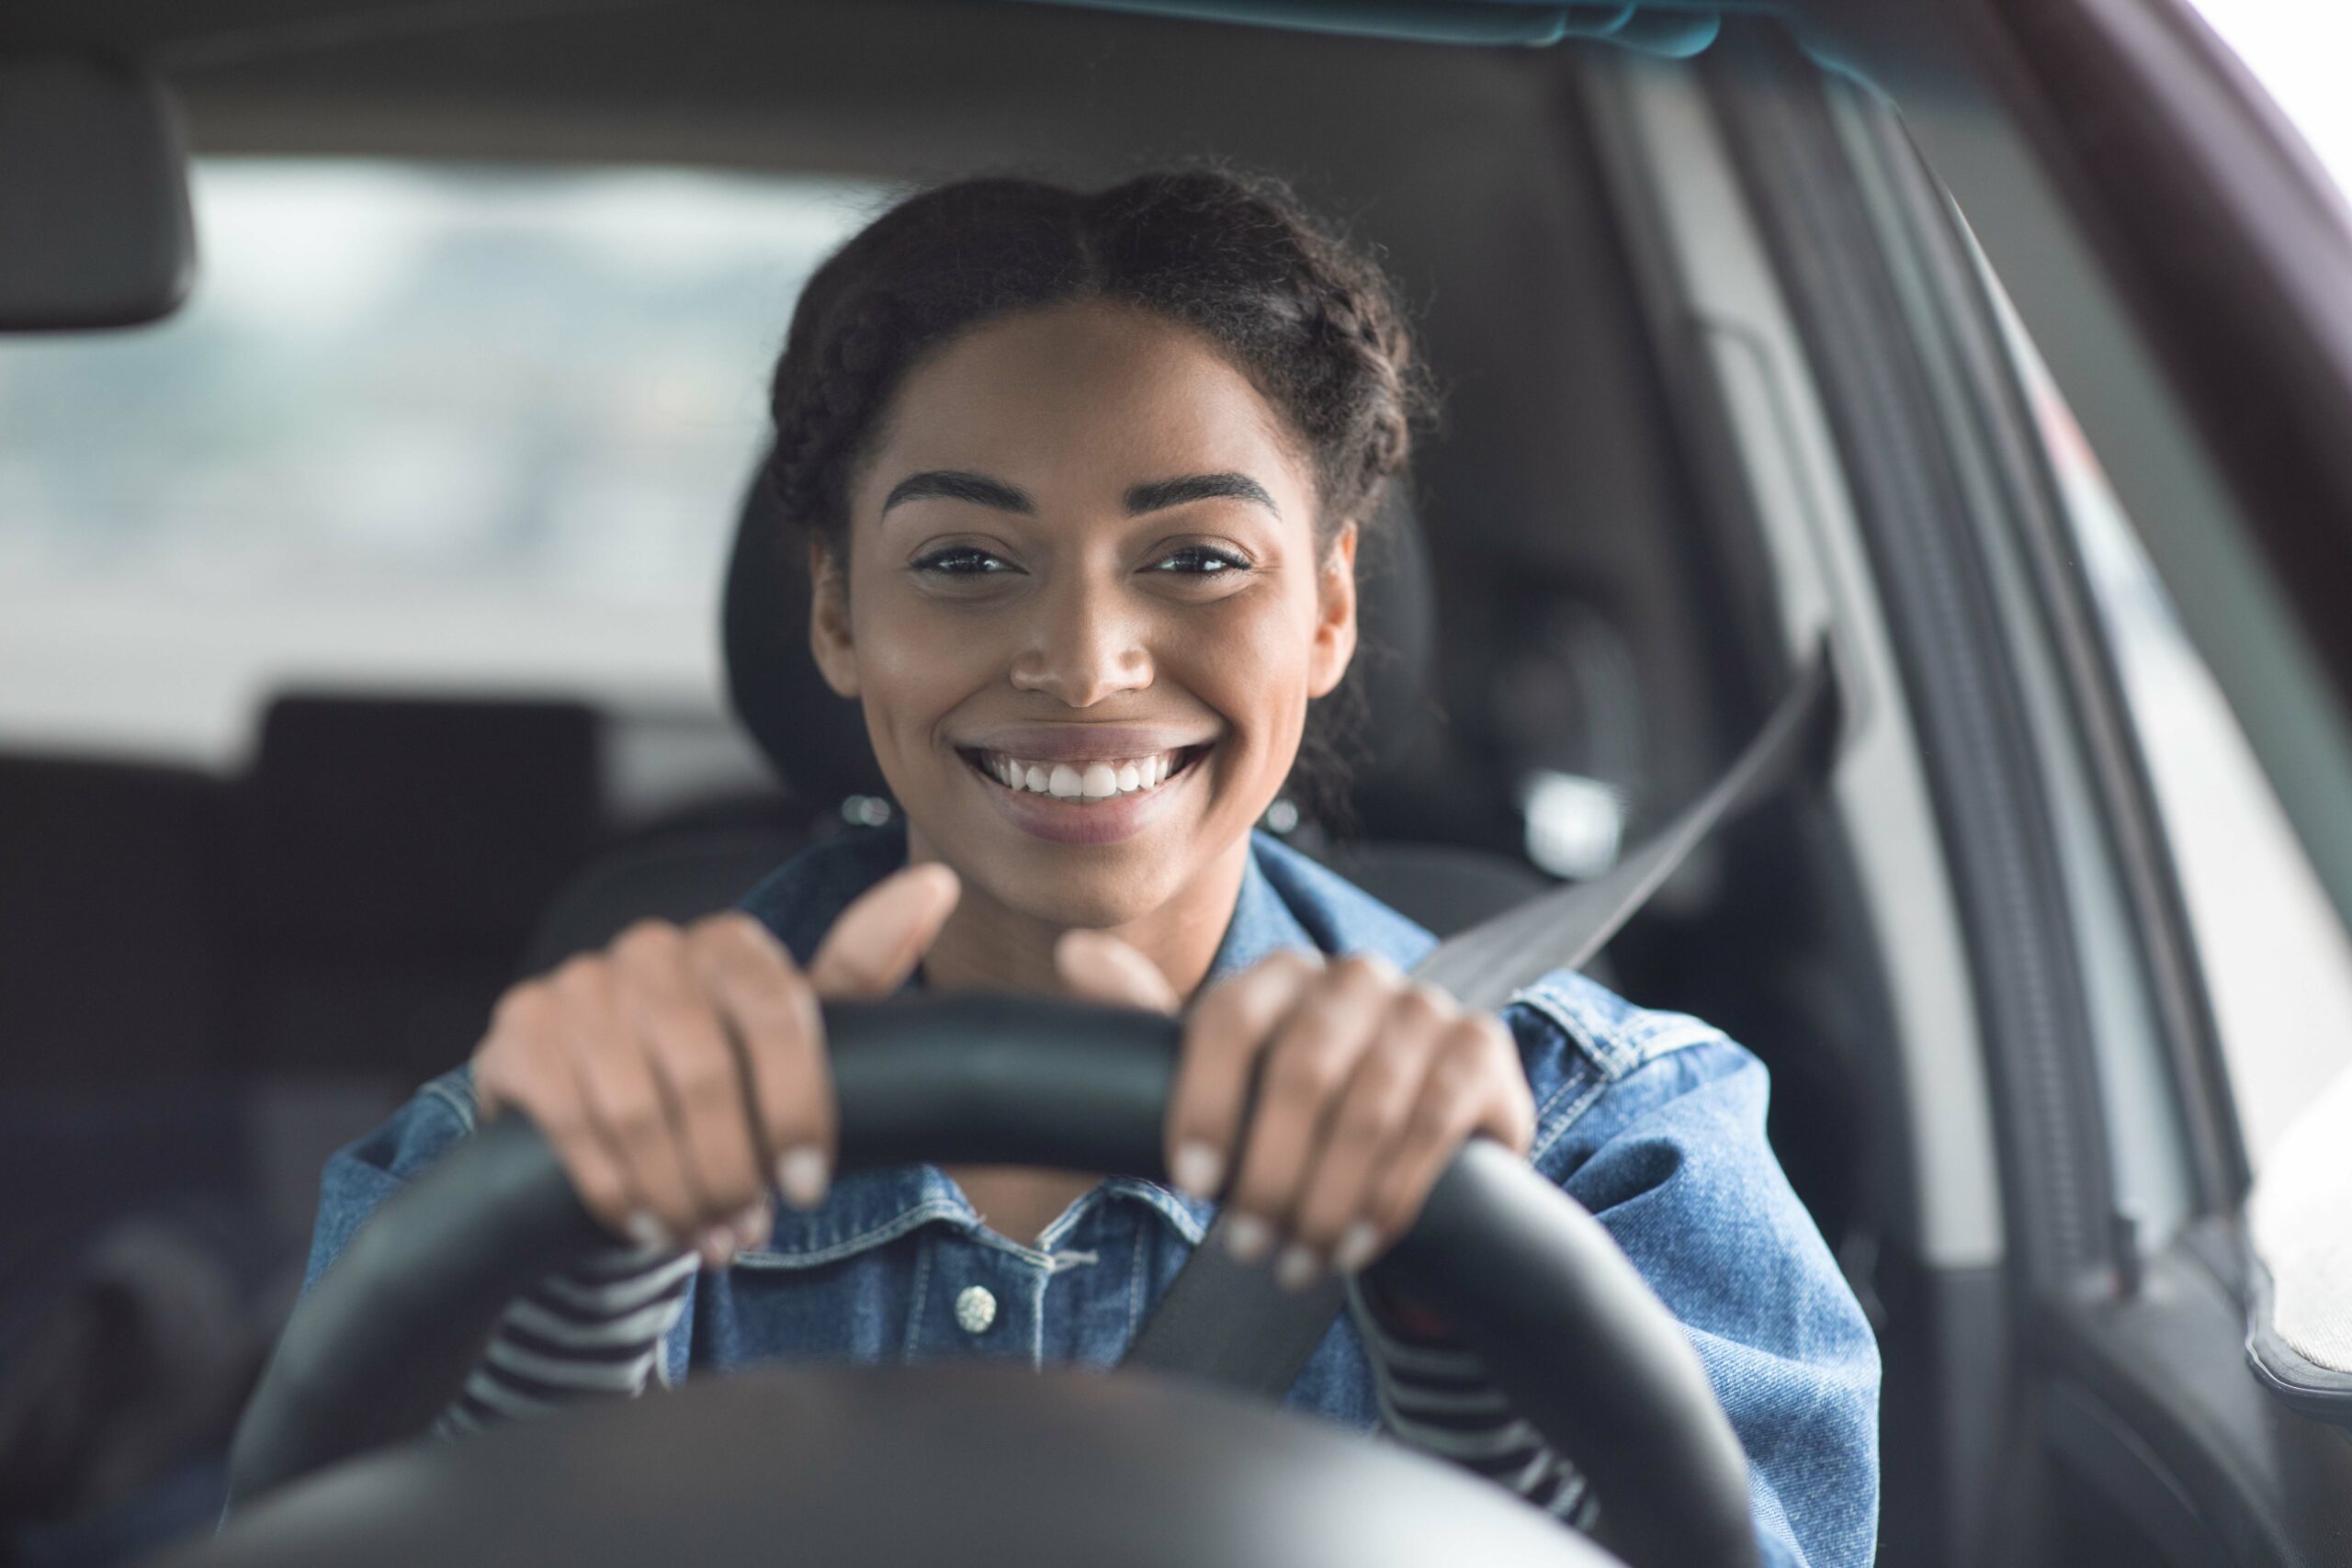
[1436,1397]
[592,1330]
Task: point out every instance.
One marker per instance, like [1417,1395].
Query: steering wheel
[969,1464]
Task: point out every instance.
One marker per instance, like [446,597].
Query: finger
[1333,1220]
[770,1009]
[522,1067]
[695,1063]
[624,1105]
[1223,1038]
[877,941]
[1098,967]
[1461,1091]
[1510,1123]
[1313,1056]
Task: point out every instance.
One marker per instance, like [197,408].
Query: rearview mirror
[2298,1228]
[94,211]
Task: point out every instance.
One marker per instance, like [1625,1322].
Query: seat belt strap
[1226,1323]
[1564,928]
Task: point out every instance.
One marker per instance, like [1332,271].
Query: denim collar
[1287,901]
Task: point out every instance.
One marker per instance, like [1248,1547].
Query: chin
[1099,889]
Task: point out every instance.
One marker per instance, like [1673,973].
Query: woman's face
[1084,610]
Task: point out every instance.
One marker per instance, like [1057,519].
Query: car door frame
[2132,1358]
[2178,256]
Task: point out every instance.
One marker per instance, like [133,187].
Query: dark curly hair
[1315,324]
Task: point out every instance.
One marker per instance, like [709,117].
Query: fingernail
[752,1227]
[1247,1237]
[801,1174]
[717,1246]
[1197,1169]
[1298,1268]
[647,1231]
[1357,1245]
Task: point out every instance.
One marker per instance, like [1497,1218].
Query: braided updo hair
[1316,325]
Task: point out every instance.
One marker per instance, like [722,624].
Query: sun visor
[2299,1313]
[93,208]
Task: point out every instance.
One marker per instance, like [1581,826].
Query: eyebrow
[1160,495]
[955,484]
[1157,495]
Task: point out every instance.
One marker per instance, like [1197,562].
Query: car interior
[223,972]
[321,932]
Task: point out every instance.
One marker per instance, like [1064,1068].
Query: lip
[1082,742]
[1061,821]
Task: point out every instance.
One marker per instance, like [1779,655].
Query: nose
[1083,648]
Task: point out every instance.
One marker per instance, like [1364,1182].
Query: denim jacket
[1654,1120]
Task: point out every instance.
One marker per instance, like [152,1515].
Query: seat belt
[1224,1322]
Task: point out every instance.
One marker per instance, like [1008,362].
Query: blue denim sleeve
[361,1176]
[1655,1122]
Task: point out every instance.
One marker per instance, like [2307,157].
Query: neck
[988,945]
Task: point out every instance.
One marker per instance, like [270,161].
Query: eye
[963,560]
[1201,560]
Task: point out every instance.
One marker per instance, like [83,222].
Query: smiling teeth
[1093,781]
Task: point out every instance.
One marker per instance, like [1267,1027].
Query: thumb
[880,939]
[1098,967]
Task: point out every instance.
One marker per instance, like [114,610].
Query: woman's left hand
[1368,1083]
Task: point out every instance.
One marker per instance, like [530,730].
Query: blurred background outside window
[420,427]
[2299,50]
[2277,960]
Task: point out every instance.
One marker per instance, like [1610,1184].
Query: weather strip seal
[1976,745]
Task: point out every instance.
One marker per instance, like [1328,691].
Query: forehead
[1085,393]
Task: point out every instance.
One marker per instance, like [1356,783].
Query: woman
[1084,479]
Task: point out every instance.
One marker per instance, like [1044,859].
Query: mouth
[1097,781]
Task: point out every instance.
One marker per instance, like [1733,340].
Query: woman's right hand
[682,1070]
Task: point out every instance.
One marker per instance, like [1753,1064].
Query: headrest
[817,741]
[416,824]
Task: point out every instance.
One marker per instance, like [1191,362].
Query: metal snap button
[975,1309]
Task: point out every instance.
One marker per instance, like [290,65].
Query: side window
[2276,961]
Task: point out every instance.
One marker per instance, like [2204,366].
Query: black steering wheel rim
[1560,1318]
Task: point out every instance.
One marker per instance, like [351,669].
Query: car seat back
[112,961]
[394,852]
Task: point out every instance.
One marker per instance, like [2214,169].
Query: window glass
[2296,50]
[2276,961]
[420,425]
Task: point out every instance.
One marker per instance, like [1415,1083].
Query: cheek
[1251,663]
[914,663]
